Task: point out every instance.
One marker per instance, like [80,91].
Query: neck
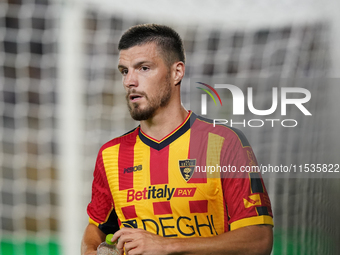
[164,121]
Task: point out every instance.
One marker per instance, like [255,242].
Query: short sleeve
[245,195]
[101,208]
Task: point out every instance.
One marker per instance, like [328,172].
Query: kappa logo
[133,169]
[187,168]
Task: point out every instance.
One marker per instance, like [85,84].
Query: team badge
[187,168]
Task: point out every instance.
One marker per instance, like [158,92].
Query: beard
[153,104]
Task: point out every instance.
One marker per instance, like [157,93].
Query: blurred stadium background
[61,98]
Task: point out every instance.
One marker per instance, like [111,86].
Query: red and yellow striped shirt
[179,186]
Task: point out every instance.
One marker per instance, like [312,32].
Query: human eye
[123,71]
[144,68]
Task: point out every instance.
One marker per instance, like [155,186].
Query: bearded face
[146,79]
[154,101]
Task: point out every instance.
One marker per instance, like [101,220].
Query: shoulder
[128,137]
[229,133]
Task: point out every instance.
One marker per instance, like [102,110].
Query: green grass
[302,242]
[29,247]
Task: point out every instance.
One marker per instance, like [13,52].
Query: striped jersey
[188,184]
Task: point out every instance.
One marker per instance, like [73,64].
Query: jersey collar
[180,130]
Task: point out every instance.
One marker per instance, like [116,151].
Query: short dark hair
[166,38]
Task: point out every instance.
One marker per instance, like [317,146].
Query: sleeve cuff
[93,222]
[257,220]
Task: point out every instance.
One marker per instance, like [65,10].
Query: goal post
[70,129]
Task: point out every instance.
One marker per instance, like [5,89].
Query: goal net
[28,189]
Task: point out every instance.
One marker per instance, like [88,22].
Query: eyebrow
[120,66]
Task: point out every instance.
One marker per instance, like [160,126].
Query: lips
[134,97]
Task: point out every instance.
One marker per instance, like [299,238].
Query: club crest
[187,168]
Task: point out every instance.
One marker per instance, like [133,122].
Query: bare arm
[93,236]
[248,240]
[256,240]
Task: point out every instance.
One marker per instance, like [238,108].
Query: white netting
[27,153]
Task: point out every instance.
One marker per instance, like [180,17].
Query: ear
[178,72]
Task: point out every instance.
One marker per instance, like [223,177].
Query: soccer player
[148,186]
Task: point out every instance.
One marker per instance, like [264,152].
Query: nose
[130,79]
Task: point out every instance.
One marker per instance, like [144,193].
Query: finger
[130,247]
[119,233]
[121,250]
[121,243]
[124,239]
[116,235]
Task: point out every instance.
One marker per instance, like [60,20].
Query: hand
[139,241]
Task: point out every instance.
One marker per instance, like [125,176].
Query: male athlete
[146,188]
